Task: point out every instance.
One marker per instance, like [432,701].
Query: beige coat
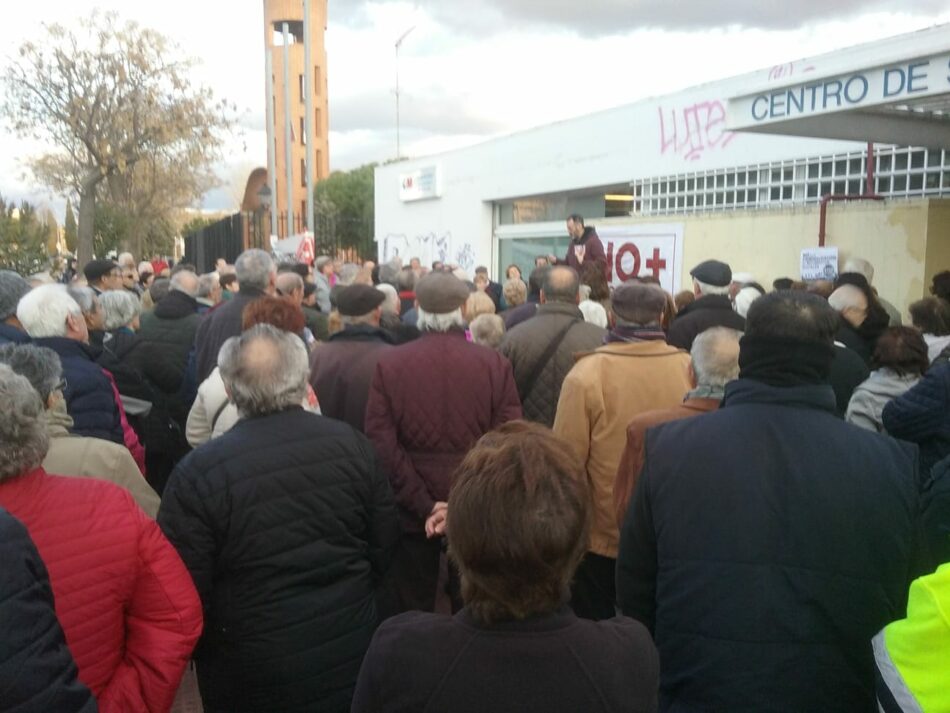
[604,391]
[83,457]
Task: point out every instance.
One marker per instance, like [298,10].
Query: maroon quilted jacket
[431,399]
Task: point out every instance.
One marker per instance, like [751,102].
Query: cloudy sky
[470,70]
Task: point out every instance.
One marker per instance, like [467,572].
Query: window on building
[303,89]
[303,172]
[303,131]
[317,131]
[901,173]
[317,85]
[318,171]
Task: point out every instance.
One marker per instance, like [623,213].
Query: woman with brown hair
[899,361]
[519,514]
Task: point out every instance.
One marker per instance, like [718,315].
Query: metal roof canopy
[896,91]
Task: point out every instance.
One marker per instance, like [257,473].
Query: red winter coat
[126,603]
[431,399]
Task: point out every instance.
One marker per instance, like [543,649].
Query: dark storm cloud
[605,17]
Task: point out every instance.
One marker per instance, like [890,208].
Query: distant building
[291,12]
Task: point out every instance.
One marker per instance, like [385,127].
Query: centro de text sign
[895,83]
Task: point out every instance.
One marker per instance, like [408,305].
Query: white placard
[819,263]
[644,250]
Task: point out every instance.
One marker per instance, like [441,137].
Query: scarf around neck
[784,362]
[634,334]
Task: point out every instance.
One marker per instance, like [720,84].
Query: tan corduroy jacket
[94,458]
[600,396]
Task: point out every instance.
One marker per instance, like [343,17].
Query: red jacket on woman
[126,603]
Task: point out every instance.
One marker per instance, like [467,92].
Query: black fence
[347,239]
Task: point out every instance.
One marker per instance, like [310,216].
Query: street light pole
[398,45]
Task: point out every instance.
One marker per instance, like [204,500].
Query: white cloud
[460,85]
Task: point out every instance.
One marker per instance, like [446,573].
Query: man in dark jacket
[257,274]
[542,349]
[12,289]
[711,308]
[430,400]
[37,671]
[54,320]
[167,333]
[103,275]
[769,541]
[585,246]
[286,526]
[342,369]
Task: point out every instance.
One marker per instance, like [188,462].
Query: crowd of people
[387,488]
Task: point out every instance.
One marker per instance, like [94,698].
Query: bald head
[851,303]
[560,284]
[264,370]
[715,356]
[290,286]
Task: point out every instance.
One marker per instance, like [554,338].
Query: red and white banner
[644,250]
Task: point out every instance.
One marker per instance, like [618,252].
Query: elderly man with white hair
[430,400]
[851,304]
[53,319]
[209,292]
[257,275]
[286,525]
[712,281]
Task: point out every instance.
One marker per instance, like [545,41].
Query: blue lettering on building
[916,80]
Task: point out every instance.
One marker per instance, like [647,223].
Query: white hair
[126,260]
[744,299]
[715,355]
[706,289]
[254,268]
[144,267]
[184,281]
[119,308]
[392,303]
[847,296]
[207,283]
[44,310]
[429,322]
[265,370]
[860,266]
[22,425]
[488,330]
[594,312]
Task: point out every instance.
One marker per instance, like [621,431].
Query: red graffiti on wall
[691,130]
[788,70]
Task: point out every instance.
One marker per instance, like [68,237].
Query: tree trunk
[87,218]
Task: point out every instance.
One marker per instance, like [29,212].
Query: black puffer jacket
[285,525]
[37,672]
[922,416]
[168,335]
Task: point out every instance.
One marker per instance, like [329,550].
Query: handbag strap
[528,383]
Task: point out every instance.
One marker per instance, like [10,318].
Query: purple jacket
[593,251]
[430,400]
